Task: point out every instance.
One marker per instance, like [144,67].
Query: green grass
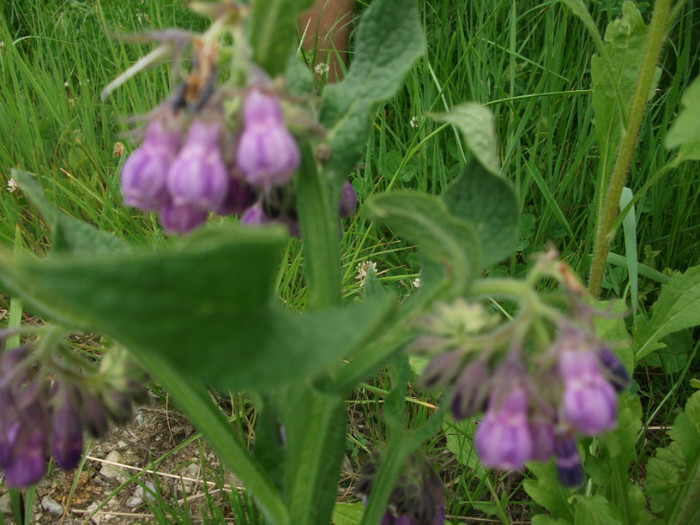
[527,60]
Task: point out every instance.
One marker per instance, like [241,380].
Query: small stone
[5,504]
[134,501]
[97,518]
[111,471]
[51,506]
[122,444]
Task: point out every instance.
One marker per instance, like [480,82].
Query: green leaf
[596,510]
[488,202]
[685,130]
[544,519]
[460,441]
[476,123]
[548,492]
[426,221]
[271,30]
[348,513]
[677,307]
[389,40]
[614,82]
[69,234]
[204,305]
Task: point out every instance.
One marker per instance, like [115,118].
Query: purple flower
[348,199]
[568,460]
[145,172]
[67,429]
[181,219]
[589,401]
[503,438]
[267,154]
[197,177]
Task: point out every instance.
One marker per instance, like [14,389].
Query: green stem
[605,231]
[319,229]
[311,472]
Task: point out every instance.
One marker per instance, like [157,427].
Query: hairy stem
[604,231]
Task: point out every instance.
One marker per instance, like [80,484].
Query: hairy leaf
[677,307]
[487,202]
[389,40]
[685,131]
[271,30]
[425,221]
[205,305]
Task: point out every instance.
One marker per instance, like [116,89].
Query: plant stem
[604,231]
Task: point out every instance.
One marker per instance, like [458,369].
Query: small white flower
[321,68]
[414,122]
[12,185]
[362,269]
[416,282]
[66,84]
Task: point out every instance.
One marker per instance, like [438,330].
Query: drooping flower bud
[542,433]
[267,154]
[254,215]
[93,416]
[145,172]
[589,401]
[67,428]
[503,438]
[197,177]
[238,198]
[441,370]
[471,390]
[618,376]
[348,200]
[117,404]
[568,460]
[417,497]
[28,453]
[181,219]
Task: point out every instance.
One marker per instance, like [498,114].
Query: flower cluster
[535,399]
[42,418]
[243,171]
[417,497]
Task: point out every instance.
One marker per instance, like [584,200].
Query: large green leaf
[440,236]
[677,307]
[204,305]
[69,234]
[389,40]
[614,78]
[271,30]
[487,202]
[476,123]
[685,131]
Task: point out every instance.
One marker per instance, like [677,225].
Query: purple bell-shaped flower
[267,154]
[197,177]
[503,438]
[589,400]
[144,174]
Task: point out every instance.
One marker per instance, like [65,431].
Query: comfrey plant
[49,395]
[244,134]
